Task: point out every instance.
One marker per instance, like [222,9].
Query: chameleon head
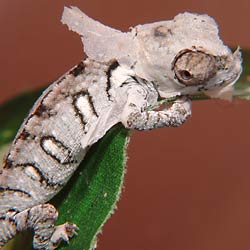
[186,56]
[182,56]
[203,72]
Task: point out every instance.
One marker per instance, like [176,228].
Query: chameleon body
[124,76]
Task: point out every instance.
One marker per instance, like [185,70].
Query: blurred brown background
[186,188]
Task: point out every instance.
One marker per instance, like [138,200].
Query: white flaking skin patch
[32,173]
[84,107]
[56,149]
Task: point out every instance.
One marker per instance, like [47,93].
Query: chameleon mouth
[223,89]
[230,80]
[230,73]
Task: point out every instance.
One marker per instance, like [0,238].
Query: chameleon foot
[64,232]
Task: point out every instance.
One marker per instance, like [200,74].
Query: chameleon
[122,80]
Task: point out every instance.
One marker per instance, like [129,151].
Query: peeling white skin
[124,76]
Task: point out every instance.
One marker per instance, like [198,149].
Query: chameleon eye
[194,67]
[185,74]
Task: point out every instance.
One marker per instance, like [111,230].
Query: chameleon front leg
[39,219]
[135,116]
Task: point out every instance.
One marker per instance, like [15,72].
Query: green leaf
[90,196]
[93,191]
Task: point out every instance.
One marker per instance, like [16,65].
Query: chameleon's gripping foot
[64,232]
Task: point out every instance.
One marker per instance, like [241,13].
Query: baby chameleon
[124,75]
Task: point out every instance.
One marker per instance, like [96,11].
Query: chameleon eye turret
[194,67]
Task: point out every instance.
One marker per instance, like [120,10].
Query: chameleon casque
[125,75]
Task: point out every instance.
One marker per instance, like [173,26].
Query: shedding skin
[123,79]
